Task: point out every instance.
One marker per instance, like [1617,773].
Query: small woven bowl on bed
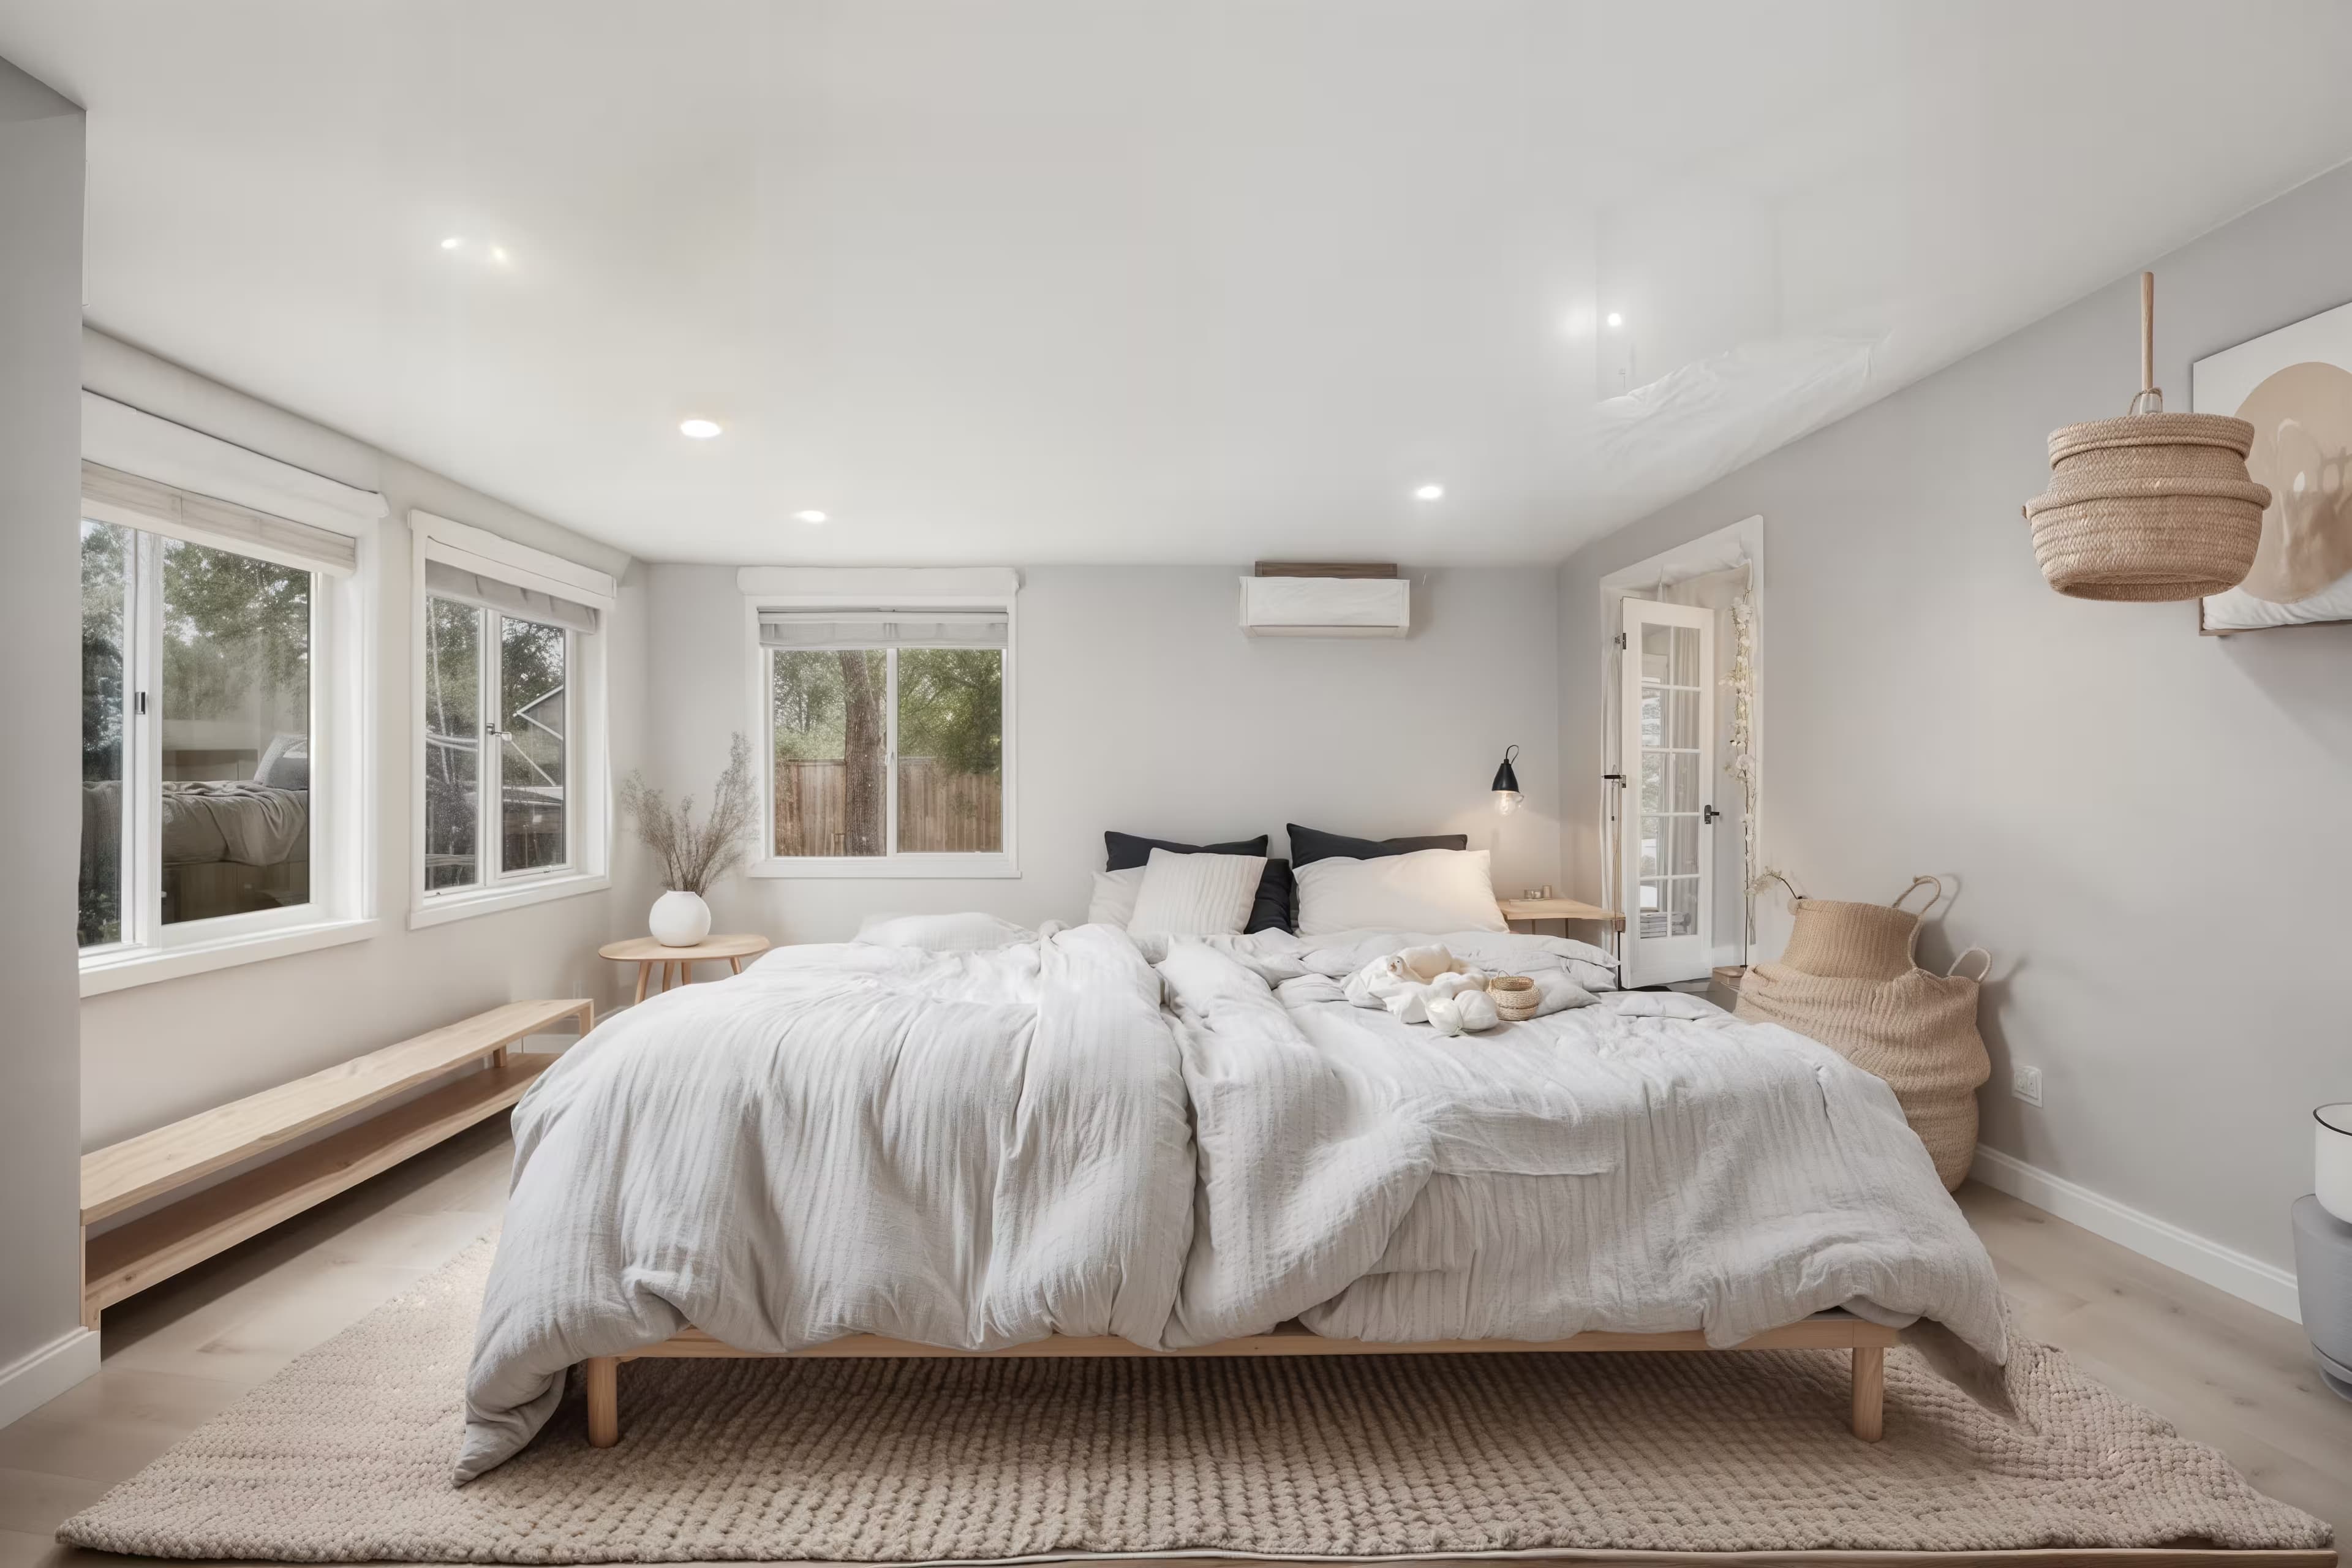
[1516,997]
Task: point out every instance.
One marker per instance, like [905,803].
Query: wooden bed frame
[1824,1330]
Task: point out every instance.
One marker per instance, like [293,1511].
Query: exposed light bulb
[699,429]
[1506,801]
[1430,493]
[810,516]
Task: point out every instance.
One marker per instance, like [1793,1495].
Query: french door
[1668,816]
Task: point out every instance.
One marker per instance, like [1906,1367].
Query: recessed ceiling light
[699,429]
[1430,493]
[498,254]
[1616,319]
[811,516]
[452,243]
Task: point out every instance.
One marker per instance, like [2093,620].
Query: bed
[1076,1143]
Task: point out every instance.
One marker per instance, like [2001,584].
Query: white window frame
[587,719]
[868,588]
[342,682]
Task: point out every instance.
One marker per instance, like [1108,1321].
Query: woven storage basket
[1850,980]
[2152,506]
[1516,997]
[2148,507]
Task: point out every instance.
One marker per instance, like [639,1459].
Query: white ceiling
[1036,281]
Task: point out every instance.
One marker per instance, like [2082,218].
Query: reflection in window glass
[950,751]
[532,691]
[106,560]
[235,721]
[830,730]
[453,743]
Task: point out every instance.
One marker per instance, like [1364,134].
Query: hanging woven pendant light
[2151,506]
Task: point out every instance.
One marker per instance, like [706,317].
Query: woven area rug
[345,1457]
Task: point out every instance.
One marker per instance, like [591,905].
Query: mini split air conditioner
[1326,606]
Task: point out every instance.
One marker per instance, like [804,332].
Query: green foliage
[951,706]
[105,564]
[234,628]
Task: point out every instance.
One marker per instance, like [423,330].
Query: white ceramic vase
[2332,1174]
[680,920]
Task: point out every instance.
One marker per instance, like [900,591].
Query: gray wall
[154,1053]
[2151,829]
[40,640]
[1141,707]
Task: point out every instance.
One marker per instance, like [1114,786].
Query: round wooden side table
[675,962]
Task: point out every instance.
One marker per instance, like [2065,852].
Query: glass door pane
[829,727]
[453,744]
[1667,751]
[106,571]
[236,733]
[533,691]
[950,751]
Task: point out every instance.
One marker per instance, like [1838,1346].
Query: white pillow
[1114,900]
[1434,890]
[1196,895]
[969,933]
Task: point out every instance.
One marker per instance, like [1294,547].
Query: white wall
[41,1344]
[1143,708]
[2152,830]
[156,1052]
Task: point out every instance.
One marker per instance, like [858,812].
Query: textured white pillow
[970,933]
[1113,903]
[1432,891]
[1196,895]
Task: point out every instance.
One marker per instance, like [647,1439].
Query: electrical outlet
[2025,1082]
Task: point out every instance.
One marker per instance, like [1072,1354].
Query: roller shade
[109,495]
[451,582]
[884,628]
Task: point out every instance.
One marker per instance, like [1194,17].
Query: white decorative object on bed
[1195,895]
[1425,890]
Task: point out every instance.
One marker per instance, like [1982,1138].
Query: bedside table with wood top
[1531,910]
[676,963]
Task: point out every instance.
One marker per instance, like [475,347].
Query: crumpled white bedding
[1643,1164]
[966,1149]
[975,1149]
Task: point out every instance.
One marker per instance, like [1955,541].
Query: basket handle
[1917,883]
[1980,976]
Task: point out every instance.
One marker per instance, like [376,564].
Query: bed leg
[1869,1392]
[604,1400]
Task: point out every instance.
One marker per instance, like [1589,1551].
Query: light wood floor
[2223,1372]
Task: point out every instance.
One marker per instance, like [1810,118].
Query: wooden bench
[155,1246]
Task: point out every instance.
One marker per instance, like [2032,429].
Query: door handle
[1708,815]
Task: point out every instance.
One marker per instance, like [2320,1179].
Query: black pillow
[1270,911]
[1309,845]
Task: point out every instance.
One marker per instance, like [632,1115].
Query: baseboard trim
[2265,1285]
[35,1379]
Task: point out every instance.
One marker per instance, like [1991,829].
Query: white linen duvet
[1059,1136]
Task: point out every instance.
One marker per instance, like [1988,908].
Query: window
[500,687]
[509,724]
[206,645]
[887,741]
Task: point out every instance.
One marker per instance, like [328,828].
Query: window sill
[121,971]
[907,867]
[465,906]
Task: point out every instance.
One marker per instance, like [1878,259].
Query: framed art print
[2295,387]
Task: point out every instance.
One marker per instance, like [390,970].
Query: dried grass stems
[693,857]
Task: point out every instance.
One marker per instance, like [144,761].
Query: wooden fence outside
[940,812]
